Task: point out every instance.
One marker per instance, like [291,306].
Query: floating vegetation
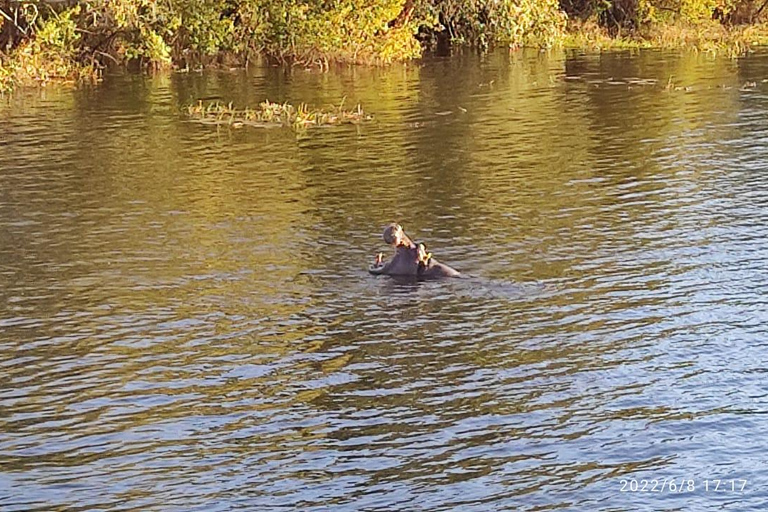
[275,114]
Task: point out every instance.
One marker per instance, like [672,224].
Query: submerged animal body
[433,269]
[409,258]
[405,262]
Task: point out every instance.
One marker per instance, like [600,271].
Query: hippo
[409,259]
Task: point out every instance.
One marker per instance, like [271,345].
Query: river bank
[62,41]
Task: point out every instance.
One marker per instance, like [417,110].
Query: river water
[187,323]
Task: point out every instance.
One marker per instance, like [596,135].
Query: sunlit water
[186,320]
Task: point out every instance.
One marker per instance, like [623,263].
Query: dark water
[186,320]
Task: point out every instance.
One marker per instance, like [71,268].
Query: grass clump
[710,36]
[275,114]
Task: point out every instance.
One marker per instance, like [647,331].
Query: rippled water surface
[187,323]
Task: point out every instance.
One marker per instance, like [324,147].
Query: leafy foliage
[623,15]
[316,31]
[510,22]
[52,54]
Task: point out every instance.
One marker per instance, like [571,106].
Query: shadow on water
[186,320]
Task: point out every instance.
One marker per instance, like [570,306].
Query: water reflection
[187,322]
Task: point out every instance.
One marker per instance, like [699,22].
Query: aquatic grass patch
[275,114]
[709,37]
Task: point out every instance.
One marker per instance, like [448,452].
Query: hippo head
[395,236]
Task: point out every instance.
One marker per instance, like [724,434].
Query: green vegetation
[484,23]
[275,114]
[42,40]
[709,36]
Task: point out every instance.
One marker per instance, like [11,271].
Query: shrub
[52,54]
[317,31]
[510,22]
